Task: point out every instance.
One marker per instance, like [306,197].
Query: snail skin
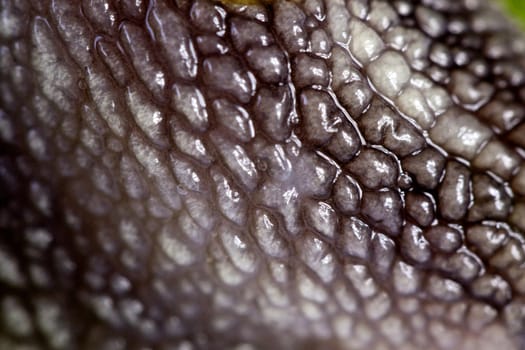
[290,174]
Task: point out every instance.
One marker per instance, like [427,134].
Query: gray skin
[301,175]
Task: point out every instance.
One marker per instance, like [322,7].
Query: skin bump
[247,2]
[313,174]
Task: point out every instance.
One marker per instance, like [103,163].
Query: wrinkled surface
[309,174]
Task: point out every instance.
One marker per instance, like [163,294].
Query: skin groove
[298,174]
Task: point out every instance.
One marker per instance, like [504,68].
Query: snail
[309,174]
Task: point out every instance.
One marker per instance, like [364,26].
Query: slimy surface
[195,174]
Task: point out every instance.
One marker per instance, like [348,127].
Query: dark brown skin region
[288,175]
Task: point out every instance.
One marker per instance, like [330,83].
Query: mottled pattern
[303,175]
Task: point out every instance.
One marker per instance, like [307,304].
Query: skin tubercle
[247,2]
[309,174]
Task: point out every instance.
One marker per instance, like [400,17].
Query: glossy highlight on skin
[317,174]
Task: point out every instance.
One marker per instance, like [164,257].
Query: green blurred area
[516,9]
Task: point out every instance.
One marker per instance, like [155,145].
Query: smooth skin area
[196,174]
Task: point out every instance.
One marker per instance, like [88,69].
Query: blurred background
[516,9]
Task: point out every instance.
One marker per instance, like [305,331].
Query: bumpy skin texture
[311,174]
